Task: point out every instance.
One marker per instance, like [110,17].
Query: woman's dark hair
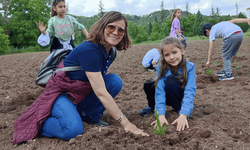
[96,33]
[163,64]
[54,3]
[206,26]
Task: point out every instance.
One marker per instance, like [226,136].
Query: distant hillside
[141,20]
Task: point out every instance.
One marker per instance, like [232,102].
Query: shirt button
[107,61]
[106,66]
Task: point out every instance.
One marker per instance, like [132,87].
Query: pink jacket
[28,125]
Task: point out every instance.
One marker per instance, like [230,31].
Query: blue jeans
[65,122]
[174,93]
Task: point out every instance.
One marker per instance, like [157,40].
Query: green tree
[101,8]
[149,28]
[212,12]
[162,11]
[243,26]
[237,9]
[132,29]
[25,15]
[142,35]
[156,32]
[187,24]
[4,42]
[198,23]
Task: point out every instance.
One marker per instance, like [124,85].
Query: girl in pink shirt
[176,27]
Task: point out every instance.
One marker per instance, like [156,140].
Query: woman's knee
[72,132]
[113,82]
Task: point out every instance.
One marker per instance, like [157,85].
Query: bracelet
[120,119]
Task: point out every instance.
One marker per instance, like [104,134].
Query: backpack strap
[113,53]
[70,68]
[73,35]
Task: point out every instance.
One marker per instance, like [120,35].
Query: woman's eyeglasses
[112,28]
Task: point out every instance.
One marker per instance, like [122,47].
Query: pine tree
[101,8]
[162,11]
[198,23]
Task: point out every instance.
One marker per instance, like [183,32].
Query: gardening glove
[181,122]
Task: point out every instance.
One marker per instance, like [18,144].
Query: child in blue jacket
[174,85]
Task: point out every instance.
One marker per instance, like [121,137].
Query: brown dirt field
[220,118]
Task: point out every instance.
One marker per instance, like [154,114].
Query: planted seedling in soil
[209,72]
[159,130]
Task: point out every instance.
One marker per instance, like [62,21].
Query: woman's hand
[181,122]
[129,127]
[42,28]
[162,120]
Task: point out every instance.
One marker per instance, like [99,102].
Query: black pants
[174,93]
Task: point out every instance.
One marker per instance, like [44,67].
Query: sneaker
[89,121]
[221,73]
[152,70]
[147,111]
[227,77]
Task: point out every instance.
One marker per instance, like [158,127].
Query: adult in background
[150,59]
[232,38]
[87,93]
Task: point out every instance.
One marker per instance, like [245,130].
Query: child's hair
[54,3]
[173,15]
[96,33]
[164,65]
[206,26]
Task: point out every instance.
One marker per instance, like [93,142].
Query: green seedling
[159,130]
[209,71]
[238,67]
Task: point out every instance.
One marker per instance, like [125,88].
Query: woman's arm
[98,86]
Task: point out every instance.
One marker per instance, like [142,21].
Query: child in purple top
[176,27]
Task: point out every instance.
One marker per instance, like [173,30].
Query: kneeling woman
[85,94]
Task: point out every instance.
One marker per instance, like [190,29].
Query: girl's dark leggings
[174,93]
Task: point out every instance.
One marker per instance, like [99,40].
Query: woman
[69,109]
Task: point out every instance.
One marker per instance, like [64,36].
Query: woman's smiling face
[114,37]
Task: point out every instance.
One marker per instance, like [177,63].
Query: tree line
[19,20]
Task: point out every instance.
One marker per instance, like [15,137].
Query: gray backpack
[49,66]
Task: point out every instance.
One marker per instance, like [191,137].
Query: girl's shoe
[220,74]
[227,77]
[147,111]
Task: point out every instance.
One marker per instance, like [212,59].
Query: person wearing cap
[232,36]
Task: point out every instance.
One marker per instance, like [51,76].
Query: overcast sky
[90,8]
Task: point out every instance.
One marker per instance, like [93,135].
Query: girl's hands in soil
[162,120]
[181,122]
[208,64]
[42,28]
[129,127]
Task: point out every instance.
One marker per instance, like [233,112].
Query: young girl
[176,27]
[61,27]
[175,84]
